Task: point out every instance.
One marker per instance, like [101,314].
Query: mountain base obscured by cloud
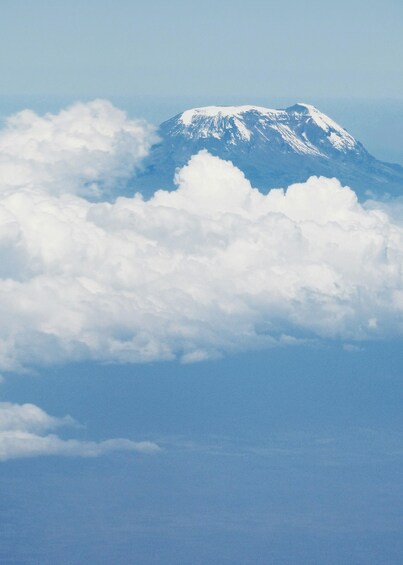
[211,268]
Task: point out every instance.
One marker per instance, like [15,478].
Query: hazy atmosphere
[201,283]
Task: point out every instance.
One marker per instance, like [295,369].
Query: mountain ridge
[274,148]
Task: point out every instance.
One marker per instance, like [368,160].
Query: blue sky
[218,404]
[283,49]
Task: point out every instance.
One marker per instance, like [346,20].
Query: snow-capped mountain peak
[273,148]
[302,128]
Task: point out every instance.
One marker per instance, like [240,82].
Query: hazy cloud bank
[211,268]
[25,432]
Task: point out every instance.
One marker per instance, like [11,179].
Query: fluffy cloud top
[87,149]
[24,432]
[210,268]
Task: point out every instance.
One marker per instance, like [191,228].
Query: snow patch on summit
[302,127]
[243,130]
[188,116]
[338,136]
[303,146]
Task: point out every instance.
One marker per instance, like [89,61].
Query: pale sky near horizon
[125,48]
[156,59]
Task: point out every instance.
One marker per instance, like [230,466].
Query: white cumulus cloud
[211,268]
[25,432]
[87,149]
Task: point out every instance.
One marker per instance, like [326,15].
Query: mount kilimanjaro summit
[273,148]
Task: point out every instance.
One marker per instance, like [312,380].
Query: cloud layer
[24,432]
[210,268]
